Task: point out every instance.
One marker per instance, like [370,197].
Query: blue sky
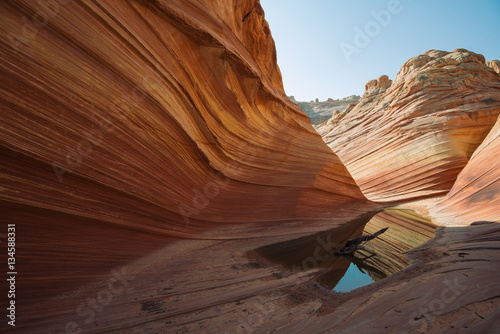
[322,54]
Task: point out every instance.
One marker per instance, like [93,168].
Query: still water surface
[380,258]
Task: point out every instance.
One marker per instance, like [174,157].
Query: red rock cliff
[165,116]
[411,137]
[475,195]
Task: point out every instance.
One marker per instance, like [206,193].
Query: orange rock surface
[213,286]
[128,125]
[148,151]
[165,117]
[475,196]
[411,137]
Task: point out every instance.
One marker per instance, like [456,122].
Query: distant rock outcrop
[320,112]
[494,64]
[410,138]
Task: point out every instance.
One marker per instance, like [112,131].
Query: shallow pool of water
[353,278]
[379,258]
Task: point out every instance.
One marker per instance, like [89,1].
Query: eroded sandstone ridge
[127,124]
[411,137]
[475,196]
[164,116]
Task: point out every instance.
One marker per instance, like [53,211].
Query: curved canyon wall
[475,196]
[126,124]
[166,117]
[410,138]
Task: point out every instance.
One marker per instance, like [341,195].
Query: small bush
[422,77]
[489,100]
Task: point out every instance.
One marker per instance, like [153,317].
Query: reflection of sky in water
[352,279]
[379,258]
[407,230]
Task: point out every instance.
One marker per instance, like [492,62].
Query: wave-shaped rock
[125,124]
[475,196]
[410,138]
[165,116]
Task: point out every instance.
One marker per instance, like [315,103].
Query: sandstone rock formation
[125,125]
[212,286]
[320,112]
[148,150]
[494,64]
[164,117]
[450,289]
[475,196]
[411,138]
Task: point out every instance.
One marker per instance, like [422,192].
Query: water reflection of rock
[407,230]
[316,250]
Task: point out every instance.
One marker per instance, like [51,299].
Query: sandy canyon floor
[227,286]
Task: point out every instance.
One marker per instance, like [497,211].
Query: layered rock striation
[475,195]
[411,137]
[129,130]
[406,230]
[127,126]
[165,117]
